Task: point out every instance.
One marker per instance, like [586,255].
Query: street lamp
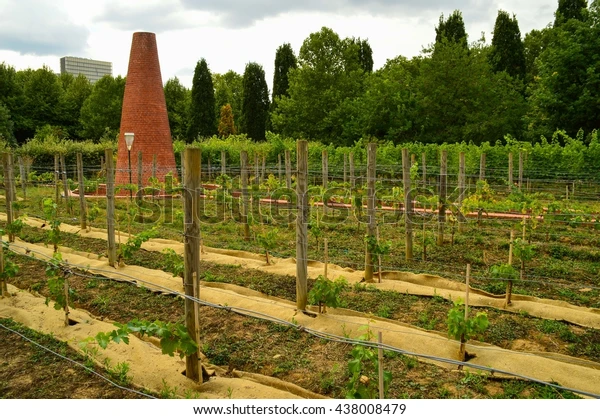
[129,141]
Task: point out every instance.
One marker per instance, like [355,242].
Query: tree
[77,90]
[534,44]
[11,97]
[508,53]
[285,60]
[228,90]
[202,119]
[364,52]
[569,9]
[255,103]
[177,98]
[226,125]
[101,111]
[6,126]
[452,29]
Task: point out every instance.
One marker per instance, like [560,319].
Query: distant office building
[94,70]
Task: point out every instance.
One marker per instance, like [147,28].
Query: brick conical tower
[145,114]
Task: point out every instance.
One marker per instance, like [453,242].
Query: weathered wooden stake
[461,188]
[223,162]
[65,184]
[140,172]
[279,167]
[510,171]
[263,171]
[302,224]
[442,197]
[244,207]
[191,203]
[110,206]
[3,285]
[288,169]
[351,163]
[256,170]
[520,170]
[66,307]
[482,167]
[23,177]
[7,160]
[408,205]
[380,365]
[345,168]
[378,258]
[462,350]
[82,209]
[372,222]
[325,177]
[56,179]
[424,168]
[325,257]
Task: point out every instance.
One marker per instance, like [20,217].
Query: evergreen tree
[285,60]
[255,103]
[452,29]
[177,98]
[569,9]
[226,125]
[202,120]
[364,53]
[508,53]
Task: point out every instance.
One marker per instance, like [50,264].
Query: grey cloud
[39,28]
[243,13]
[155,18]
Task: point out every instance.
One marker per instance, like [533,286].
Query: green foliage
[363,371]
[459,328]
[101,110]
[226,125]
[569,9]
[173,262]
[55,276]
[229,90]
[508,53]
[202,117]
[10,268]
[452,29]
[15,227]
[377,247]
[135,242]
[327,293]
[285,60]
[177,98]
[503,271]
[173,336]
[522,250]
[50,210]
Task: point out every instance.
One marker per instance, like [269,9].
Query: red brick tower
[145,114]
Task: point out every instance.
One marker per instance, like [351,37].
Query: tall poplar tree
[285,60]
[202,119]
[508,52]
[452,29]
[255,103]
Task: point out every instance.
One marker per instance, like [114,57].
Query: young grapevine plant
[326,293]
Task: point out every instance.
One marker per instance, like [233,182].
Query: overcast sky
[231,33]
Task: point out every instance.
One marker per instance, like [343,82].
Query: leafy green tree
[508,53]
[324,91]
[566,92]
[228,90]
[255,103]
[569,9]
[6,125]
[452,29]
[77,90]
[101,111]
[177,98]
[226,125]
[202,119]
[535,42]
[365,53]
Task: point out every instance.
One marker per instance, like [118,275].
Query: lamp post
[129,141]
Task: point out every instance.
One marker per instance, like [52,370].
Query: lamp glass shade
[129,140]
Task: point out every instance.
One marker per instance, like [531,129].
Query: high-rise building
[94,70]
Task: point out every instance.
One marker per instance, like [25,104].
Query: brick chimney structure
[145,114]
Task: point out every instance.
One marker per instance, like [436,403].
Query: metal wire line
[336,338]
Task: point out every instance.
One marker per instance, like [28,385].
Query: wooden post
[223,162]
[102,168]
[9,190]
[82,211]
[244,206]
[567,192]
[351,163]
[345,168]
[378,257]
[154,166]
[461,186]
[462,349]
[264,168]
[371,233]
[288,169]
[520,170]
[209,170]
[380,364]
[424,168]
[302,224]
[56,179]
[66,308]
[442,197]
[325,176]
[325,257]
[65,183]
[3,285]
[182,159]
[23,177]
[510,247]
[110,206]
[256,170]
[408,205]
[279,167]
[482,167]
[140,172]
[191,189]
[510,171]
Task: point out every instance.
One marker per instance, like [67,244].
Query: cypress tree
[202,119]
[255,103]
[569,9]
[452,29]
[285,60]
[226,125]
[508,52]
